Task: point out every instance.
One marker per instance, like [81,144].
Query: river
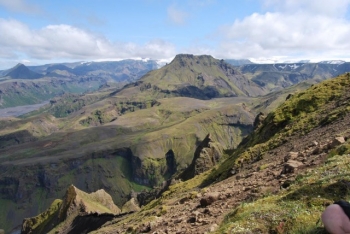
[20,110]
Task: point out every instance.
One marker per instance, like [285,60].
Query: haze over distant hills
[23,85]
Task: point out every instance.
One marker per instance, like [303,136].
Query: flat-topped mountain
[202,77]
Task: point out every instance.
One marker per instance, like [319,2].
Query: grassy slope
[296,209]
[301,113]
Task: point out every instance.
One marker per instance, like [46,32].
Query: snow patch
[339,62]
[282,66]
[293,66]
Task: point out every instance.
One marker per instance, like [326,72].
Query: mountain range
[194,114]
[23,85]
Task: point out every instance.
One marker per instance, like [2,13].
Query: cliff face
[72,213]
[206,156]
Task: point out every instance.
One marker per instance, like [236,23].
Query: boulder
[336,141]
[291,156]
[209,198]
[291,166]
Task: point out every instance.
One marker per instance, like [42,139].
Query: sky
[36,32]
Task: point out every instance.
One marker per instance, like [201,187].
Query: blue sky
[38,32]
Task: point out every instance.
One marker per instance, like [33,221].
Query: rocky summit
[78,212]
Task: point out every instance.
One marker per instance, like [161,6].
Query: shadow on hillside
[88,223]
[16,138]
[316,193]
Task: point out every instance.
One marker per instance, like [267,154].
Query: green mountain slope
[201,77]
[278,180]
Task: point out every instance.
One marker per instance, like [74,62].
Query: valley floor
[20,110]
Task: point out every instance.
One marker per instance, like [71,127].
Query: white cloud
[176,15]
[303,29]
[20,6]
[68,42]
[324,7]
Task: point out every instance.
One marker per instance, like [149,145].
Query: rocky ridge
[76,208]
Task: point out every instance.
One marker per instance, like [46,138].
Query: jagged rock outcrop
[76,207]
[258,120]
[131,206]
[207,155]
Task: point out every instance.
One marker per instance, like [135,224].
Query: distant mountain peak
[19,65]
[20,71]
[188,60]
[238,62]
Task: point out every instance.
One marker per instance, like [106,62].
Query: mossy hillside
[111,110]
[298,208]
[220,117]
[320,104]
[196,120]
[39,222]
[114,174]
[38,126]
[8,210]
[67,103]
[13,213]
[271,101]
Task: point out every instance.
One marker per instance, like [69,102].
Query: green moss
[296,209]
[39,222]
